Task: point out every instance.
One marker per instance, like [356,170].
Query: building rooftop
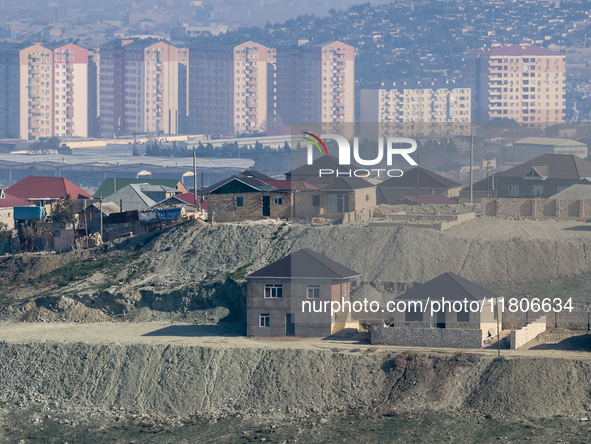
[37,187]
[449,286]
[306,263]
[427,179]
[553,166]
[514,50]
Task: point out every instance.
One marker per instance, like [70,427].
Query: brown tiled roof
[305,263]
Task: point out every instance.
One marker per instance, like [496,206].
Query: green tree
[5,233]
[63,212]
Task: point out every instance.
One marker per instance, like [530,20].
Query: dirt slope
[172,380]
[195,273]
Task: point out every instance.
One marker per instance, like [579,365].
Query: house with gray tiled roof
[282,296]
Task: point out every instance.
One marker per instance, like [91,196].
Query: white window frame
[335,199]
[278,201]
[264,320]
[275,291]
[513,190]
[315,290]
[537,190]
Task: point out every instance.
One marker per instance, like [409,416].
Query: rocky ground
[195,273]
[184,370]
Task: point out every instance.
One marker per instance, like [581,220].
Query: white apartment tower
[228,88]
[523,83]
[139,87]
[46,91]
[416,102]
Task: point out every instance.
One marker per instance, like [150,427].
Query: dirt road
[219,336]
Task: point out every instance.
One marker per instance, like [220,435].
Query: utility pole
[417,190]
[85,223]
[202,191]
[194,180]
[101,211]
[498,330]
[471,168]
[487,185]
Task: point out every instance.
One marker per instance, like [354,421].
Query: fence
[537,208]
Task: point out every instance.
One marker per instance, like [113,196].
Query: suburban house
[249,196]
[279,295]
[453,288]
[140,196]
[91,216]
[189,199]
[458,324]
[7,204]
[44,190]
[531,147]
[580,190]
[112,185]
[543,176]
[311,173]
[342,196]
[427,183]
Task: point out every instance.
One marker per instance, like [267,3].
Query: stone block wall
[522,336]
[223,208]
[537,208]
[425,337]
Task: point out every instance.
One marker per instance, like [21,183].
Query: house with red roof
[7,204]
[44,190]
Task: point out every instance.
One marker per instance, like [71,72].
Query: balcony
[70,100]
[70,131]
[70,108]
[159,114]
[70,115]
[160,90]
[70,77]
[159,67]
[69,123]
[69,69]
[252,82]
[70,85]
[252,105]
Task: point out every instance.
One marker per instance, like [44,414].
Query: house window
[278,201]
[513,190]
[313,292]
[344,289]
[537,190]
[367,197]
[315,201]
[338,203]
[273,291]
[264,319]
[239,201]
[413,316]
[463,316]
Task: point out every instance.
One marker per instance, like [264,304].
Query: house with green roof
[114,184]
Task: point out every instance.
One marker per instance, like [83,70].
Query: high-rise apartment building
[228,88]
[316,83]
[94,103]
[416,102]
[44,90]
[139,87]
[522,82]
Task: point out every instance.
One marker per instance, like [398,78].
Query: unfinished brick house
[252,196]
[451,327]
[345,195]
[276,295]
